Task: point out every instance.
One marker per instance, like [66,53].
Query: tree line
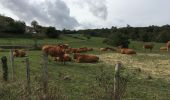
[146,34]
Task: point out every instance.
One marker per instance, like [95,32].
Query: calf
[148,46]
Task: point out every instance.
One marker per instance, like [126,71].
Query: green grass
[85,81]
[73,42]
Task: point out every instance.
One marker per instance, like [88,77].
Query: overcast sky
[80,14]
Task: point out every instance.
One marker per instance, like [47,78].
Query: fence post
[28,75]
[117,81]
[5,68]
[12,63]
[45,75]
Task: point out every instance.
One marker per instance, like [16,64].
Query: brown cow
[46,48]
[127,51]
[54,51]
[19,53]
[148,46]
[168,45]
[80,58]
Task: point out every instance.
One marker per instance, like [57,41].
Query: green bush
[51,32]
[118,39]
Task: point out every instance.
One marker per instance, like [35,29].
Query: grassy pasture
[79,81]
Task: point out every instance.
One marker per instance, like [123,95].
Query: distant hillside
[146,34]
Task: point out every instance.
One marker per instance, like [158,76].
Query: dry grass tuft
[156,65]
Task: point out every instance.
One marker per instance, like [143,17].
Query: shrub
[51,32]
[118,39]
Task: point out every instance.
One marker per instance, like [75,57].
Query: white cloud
[90,13]
[46,12]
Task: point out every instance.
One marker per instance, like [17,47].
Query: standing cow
[148,46]
[168,45]
[54,51]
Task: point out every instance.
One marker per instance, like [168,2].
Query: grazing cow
[168,45]
[127,51]
[148,46]
[65,58]
[163,49]
[84,58]
[19,53]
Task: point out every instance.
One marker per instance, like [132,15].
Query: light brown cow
[148,46]
[127,51]
[168,45]
[103,49]
[84,58]
[46,48]
[163,48]
[54,51]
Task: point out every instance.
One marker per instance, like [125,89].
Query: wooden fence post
[12,63]
[28,74]
[5,68]
[45,75]
[117,81]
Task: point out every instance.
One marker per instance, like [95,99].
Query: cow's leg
[62,59]
[167,48]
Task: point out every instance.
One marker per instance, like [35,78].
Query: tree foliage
[51,32]
[118,39]
[9,25]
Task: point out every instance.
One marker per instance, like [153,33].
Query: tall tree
[34,24]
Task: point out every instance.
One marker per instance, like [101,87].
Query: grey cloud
[50,13]
[59,13]
[98,8]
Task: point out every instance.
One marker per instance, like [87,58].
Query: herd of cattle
[62,52]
